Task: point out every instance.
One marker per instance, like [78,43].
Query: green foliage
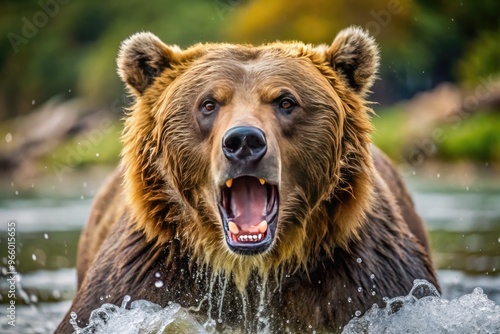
[84,150]
[421,42]
[75,48]
[474,139]
[481,59]
[478,138]
[390,129]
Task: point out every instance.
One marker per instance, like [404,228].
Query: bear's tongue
[248,203]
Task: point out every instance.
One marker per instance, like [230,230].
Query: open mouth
[248,209]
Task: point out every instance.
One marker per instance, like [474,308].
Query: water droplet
[358,313]
[73,323]
[157,274]
[438,175]
[319,282]
[33,256]
[97,154]
[8,137]
[17,192]
[33,102]
[358,260]
[126,299]
[45,235]
[85,184]
[101,298]
[467,188]
[158,284]
[373,293]
[360,289]
[349,299]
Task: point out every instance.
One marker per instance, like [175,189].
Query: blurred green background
[61,110]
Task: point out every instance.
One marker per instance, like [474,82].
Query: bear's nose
[244,143]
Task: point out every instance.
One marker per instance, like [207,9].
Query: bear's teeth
[250,237]
[233,227]
[262,227]
[229,183]
[262,181]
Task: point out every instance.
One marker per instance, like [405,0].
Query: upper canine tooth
[233,228]
[262,181]
[229,183]
[262,227]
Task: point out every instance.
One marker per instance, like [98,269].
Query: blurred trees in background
[68,48]
[422,42]
[73,52]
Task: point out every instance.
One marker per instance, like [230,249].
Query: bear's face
[236,149]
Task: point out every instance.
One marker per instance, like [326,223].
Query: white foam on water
[421,311]
[143,317]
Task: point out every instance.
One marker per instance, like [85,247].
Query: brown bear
[250,188]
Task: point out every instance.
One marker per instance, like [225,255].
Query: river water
[463,221]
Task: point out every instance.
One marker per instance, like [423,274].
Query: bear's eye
[287,105]
[208,107]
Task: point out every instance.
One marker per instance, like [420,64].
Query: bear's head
[253,158]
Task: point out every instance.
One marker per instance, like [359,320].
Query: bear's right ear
[354,55]
[142,58]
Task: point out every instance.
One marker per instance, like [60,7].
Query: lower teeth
[250,238]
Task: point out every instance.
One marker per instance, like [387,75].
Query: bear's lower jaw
[249,214]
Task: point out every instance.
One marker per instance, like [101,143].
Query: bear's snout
[244,144]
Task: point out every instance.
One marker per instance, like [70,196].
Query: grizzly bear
[250,188]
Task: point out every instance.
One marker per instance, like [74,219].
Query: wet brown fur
[340,198]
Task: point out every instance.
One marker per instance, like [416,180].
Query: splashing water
[421,311]
[142,317]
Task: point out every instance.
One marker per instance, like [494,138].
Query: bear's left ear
[142,58]
[354,55]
